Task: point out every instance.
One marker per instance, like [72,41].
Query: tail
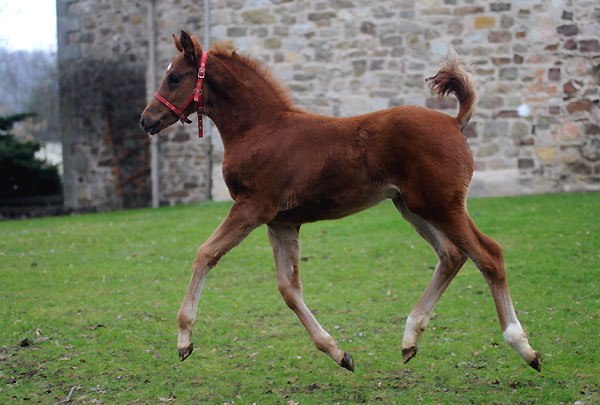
[454,78]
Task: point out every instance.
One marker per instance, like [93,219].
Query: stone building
[537,64]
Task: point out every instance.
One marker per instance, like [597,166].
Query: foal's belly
[332,206]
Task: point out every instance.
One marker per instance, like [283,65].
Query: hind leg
[450,261]
[487,255]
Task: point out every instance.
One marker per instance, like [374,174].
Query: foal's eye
[174,79]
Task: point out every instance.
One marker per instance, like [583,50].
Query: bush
[24,175]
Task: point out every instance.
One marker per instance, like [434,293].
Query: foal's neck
[243,96]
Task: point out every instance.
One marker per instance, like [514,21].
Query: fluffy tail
[454,78]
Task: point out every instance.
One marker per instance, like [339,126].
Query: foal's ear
[191,47]
[177,43]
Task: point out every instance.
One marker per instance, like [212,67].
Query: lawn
[88,307]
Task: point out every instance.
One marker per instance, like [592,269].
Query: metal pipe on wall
[154,147]
[208,125]
[152,79]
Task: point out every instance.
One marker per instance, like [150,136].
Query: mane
[264,73]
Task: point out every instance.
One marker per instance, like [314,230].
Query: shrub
[24,175]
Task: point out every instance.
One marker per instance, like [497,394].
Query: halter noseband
[196,96]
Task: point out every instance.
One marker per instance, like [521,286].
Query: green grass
[97,295]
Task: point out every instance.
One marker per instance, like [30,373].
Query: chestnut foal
[285,166]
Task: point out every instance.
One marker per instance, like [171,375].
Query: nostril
[149,125]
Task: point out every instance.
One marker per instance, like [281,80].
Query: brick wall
[537,64]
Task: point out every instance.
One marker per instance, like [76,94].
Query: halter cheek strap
[196,97]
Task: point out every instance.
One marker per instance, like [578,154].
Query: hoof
[537,362]
[347,362]
[185,352]
[408,354]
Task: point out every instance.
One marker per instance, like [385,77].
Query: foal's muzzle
[149,125]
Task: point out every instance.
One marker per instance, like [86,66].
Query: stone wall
[537,64]
[102,52]
[117,31]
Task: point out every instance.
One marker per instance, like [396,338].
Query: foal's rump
[425,155]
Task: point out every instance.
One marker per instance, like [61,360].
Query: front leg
[284,239]
[242,219]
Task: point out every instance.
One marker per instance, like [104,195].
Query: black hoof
[347,362]
[408,354]
[537,362]
[185,352]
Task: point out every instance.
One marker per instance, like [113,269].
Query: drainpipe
[208,125]
[152,78]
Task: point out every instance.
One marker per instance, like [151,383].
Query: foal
[284,167]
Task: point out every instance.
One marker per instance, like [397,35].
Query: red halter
[196,96]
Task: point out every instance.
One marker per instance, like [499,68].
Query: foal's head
[177,86]
[235,86]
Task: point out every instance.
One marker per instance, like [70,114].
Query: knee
[289,293]
[493,262]
[452,255]
[206,259]
[495,250]
[289,283]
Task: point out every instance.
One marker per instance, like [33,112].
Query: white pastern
[414,327]
[515,337]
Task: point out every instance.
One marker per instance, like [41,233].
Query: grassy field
[88,307]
